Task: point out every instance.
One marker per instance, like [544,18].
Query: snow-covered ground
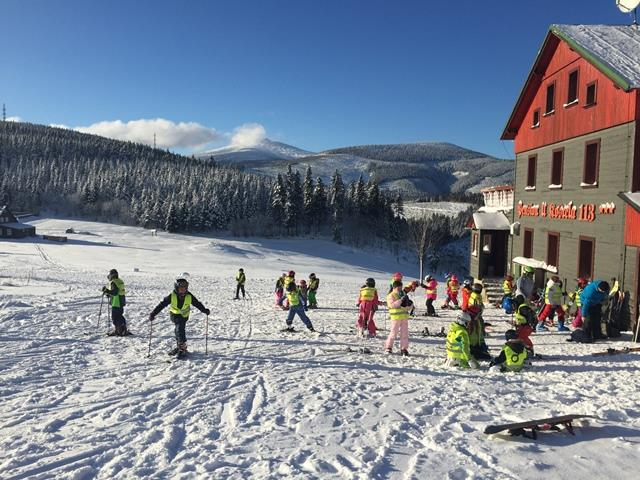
[420,209]
[263,404]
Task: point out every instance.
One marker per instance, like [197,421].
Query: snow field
[265,404]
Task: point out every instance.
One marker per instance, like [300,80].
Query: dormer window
[550,105]
[591,94]
[572,91]
[536,118]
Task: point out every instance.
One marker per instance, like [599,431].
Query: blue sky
[315,74]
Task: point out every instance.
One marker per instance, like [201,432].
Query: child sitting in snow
[513,354]
[457,344]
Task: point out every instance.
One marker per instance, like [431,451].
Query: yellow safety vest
[115,300]
[556,297]
[515,360]
[507,287]
[396,313]
[240,278]
[520,318]
[288,280]
[575,296]
[475,299]
[458,342]
[293,298]
[367,293]
[186,306]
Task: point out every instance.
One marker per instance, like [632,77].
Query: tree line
[70,173]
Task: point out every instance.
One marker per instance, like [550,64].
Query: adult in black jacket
[179,301]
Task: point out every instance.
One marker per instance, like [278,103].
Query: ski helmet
[463,319]
[312,275]
[303,282]
[181,283]
[292,273]
[428,278]
[477,288]
[528,269]
[454,278]
[604,287]
[582,282]
[113,273]
[555,278]
[510,335]
[370,282]
[397,276]
[241,270]
[467,282]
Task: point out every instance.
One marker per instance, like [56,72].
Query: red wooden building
[576,133]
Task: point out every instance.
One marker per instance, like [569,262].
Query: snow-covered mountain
[414,169]
[265,151]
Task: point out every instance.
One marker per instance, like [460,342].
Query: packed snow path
[265,404]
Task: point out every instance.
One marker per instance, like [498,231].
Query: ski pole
[100,312]
[206,336]
[150,335]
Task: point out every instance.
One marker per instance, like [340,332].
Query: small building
[632,251]
[576,133]
[490,229]
[11,227]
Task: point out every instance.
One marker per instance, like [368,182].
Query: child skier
[399,306]
[180,301]
[314,283]
[303,289]
[575,297]
[513,354]
[553,303]
[453,286]
[431,285]
[280,289]
[525,320]
[475,307]
[296,308]
[368,302]
[457,344]
[397,277]
[466,293]
[240,279]
[115,291]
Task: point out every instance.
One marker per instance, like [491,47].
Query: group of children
[465,342]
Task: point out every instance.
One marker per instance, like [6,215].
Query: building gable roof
[632,199]
[612,49]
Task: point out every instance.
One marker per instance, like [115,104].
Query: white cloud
[248,135]
[168,134]
[14,119]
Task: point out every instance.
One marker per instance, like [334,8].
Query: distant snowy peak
[267,150]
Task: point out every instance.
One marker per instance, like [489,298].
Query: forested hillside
[71,173]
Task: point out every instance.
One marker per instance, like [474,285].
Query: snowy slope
[262,404]
[265,151]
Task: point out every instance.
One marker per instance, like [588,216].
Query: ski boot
[541,328]
[173,352]
[425,332]
[404,352]
[389,351]
[561,326]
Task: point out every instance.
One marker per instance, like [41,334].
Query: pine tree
[171,221]
[308,214]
